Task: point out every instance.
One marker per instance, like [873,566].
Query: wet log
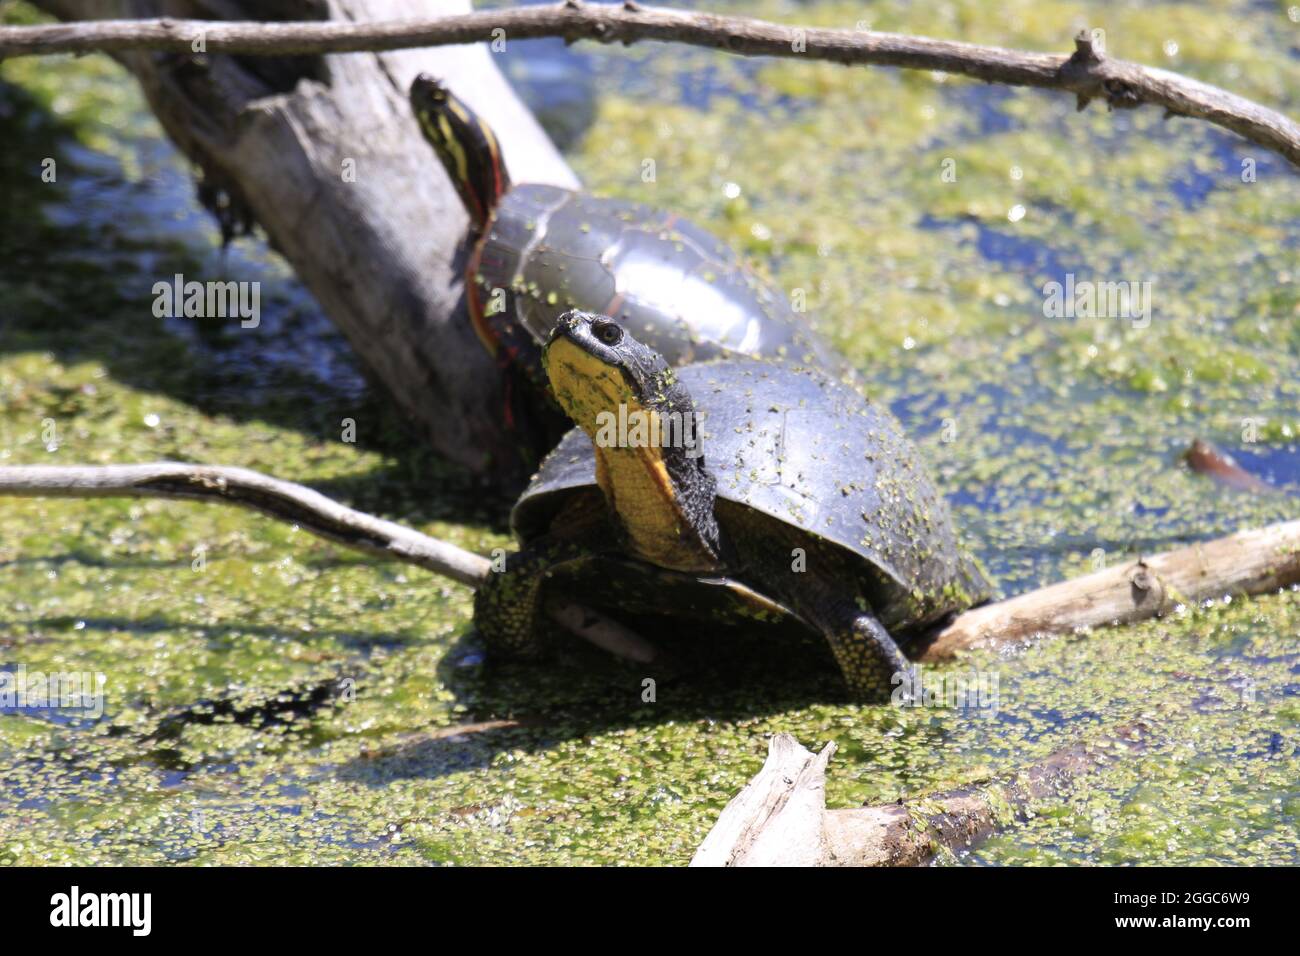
[382,251]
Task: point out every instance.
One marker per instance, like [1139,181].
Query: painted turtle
[538,251]
[795,498]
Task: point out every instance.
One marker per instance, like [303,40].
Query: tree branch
[1087,73]
[1249,562]
[780,817]
[309,510]
[283,500]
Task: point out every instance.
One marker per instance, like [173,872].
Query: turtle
[725,491]
[536,251]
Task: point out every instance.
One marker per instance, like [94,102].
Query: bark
[1250,562]
[382,254]
[1087,74]
[780,817]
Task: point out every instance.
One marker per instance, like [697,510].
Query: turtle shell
[791,445]
[676,287]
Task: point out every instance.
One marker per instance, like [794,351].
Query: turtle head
[466,145]
[641,421]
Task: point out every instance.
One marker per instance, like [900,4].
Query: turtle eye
[608,332]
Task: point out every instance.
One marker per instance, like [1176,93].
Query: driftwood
[381,250]
[1088,74]
[1249,562]
[780,817]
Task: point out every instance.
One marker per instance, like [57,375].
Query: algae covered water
[920,217]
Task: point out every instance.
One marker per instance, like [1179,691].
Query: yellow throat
[633,477]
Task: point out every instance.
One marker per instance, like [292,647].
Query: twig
[310,511]
[1087,73]
[780,817]
[284,500]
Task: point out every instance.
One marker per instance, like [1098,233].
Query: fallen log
[323,153]
[271,115]
[780,817]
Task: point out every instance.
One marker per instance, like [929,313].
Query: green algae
[1058,440]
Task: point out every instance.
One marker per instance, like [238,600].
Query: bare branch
[1250,562]
[309,510]
[284,500]
[1088,73]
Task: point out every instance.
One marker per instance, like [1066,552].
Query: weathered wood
[780,817]
[1088,74]
[777,819]
[1249,562]
[381,254]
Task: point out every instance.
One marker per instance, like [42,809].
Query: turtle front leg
[508,604]
[867,655]
[510,607]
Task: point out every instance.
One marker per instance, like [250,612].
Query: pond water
[1058,440]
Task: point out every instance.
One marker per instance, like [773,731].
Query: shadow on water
[713,676]
[79,258]
[220,633]
[703,674]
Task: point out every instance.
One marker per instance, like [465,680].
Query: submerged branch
[1088,73]
[780,817]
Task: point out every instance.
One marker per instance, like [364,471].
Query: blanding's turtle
[737,488]
[538,251]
